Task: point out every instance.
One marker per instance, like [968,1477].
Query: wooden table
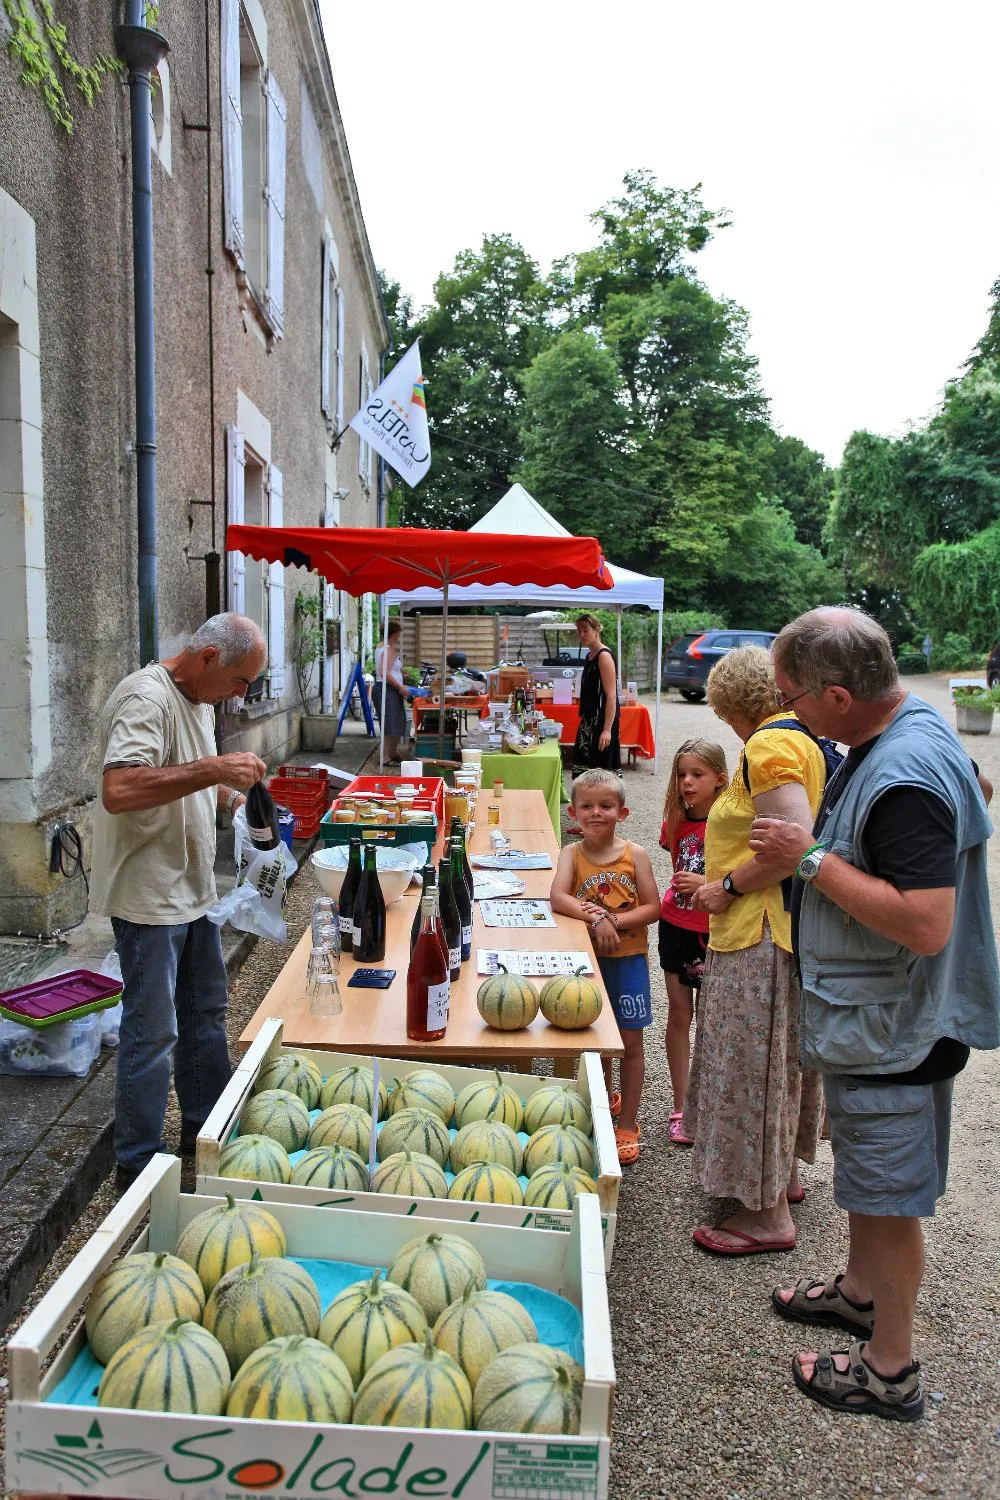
[375,1020]
[462,707]
[540,771]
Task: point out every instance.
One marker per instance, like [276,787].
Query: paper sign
[531,965]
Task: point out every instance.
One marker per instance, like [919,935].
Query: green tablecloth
[541,771]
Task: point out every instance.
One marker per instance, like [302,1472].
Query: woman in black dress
[597,737]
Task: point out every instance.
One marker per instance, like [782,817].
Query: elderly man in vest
[153,874]
[894,938]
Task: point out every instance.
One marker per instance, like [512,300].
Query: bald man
[153,874]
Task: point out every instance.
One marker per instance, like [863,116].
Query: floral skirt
[750,1107]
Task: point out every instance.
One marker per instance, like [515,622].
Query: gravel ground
[706,1405]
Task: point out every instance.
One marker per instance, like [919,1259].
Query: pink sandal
[675,1130]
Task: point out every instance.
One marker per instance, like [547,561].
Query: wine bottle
[450,917]
[348,891]
[262,818]
[428,881]
[457,830]
[428,990]
[461,895]
[369,914]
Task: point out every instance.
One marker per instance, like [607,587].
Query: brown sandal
[859,1389]
[627,1142]
[830,1307]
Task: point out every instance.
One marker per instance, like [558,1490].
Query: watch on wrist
[728,886]
[808,867]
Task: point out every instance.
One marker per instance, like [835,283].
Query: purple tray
[63,997]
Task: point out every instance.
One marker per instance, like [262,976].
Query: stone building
[269,332]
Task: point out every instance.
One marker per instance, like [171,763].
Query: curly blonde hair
[742,684]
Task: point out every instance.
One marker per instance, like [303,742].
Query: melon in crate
[369,1318]
[556,1185]
[529,1388]
[292,1379]
[415,1385]
[416,1130]
[227,1236]
[140,1289]
[423,1089]
[255,1158]
[557,1104]
[476,1327]
[558,1143]
[279,1114]
[485,1182]
[331,1167]
[486,1140]
[175,1366]
[571,1001]
[410,1174]
[297,1075]
[342,1125]
[354,1085]
[489,1098]
[507,1002]
[437,1268]
[262,1300]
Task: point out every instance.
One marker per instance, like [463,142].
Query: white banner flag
[394,419]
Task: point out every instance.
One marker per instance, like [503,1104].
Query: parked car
[993,666]
[691,657]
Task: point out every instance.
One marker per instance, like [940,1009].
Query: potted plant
[974,708]
[319,731]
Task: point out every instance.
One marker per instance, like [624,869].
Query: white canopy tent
[519,514]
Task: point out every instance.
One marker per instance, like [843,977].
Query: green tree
[800,479]
[767,576]
[873,534]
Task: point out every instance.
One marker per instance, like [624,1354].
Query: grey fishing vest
[869,1005]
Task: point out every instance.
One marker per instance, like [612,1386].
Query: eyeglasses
[784,702]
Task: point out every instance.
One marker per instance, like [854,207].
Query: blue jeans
[173,1010]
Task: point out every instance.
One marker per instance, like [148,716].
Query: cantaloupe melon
[435,1269]
[489,1098]
[265,1299]
[415,1385]
[556,1185]
[479,1325]
[138,1290]
[255,1158]
[292,1379]
[279,1114]
[486,1140]
[342,1125]
[557,1104]
[296,1074]
[175,1366]
[529,1388]
[414,1130]
[411,1174]
[369,1318]
[331,1167]
[354,1085]
[226,1236]
[485,1182]
[507,1002]
[423,1089]
[558,1143]
[571,1001]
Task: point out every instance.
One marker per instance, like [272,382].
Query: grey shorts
[890,1145]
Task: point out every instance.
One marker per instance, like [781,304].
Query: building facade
[269,332]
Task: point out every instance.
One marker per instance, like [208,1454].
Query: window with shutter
[276,594]
[326,291]
[362,397]
[235,490]
[232,131]
[340,360]
[274,193]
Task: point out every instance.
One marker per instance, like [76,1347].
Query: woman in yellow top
[751,1109]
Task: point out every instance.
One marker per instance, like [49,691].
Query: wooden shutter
[234,237]
[236,509]
[362,393]
[325,334]
[274,297]
[276,593]
[340,360]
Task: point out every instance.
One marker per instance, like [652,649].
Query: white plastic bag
[257,901]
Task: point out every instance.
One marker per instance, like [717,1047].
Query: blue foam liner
[559,1323]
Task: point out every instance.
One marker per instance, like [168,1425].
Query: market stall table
[635,728]
[540,771]
[375,1020]
[466,704]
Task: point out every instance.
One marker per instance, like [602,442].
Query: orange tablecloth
[635,726]
[469,704]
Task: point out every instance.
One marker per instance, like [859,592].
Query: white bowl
[395,869]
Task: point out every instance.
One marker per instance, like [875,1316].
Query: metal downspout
[141,49]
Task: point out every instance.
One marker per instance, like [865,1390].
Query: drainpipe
[141,49]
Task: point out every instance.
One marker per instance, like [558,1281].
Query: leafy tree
[871,528]
[800,479]
[767,576]
[987,351]
[957,586]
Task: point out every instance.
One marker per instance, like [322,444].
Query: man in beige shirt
[153,875]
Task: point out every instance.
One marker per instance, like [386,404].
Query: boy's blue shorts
[627,983]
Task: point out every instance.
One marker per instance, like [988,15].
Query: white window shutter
[340,360]
[276,594]
[362,446]
[234,237]
[369,451]
[274,299]
[325,335]
[235,492]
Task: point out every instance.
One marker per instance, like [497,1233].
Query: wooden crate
[267,1045]
[56,1448]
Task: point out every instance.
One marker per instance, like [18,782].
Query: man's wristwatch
[728,887]
[808,866]
[231,802]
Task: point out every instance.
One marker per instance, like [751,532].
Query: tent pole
[385,688]
[444,664]
[659,681]
[621,674]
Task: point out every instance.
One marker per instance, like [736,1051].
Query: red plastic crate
[432,794]
[299,796]
[306,825]
[302,773]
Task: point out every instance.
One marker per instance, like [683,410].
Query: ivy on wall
[38,43]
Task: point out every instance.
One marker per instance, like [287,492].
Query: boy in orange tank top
[608,882]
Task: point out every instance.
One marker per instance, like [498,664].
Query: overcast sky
[857,147]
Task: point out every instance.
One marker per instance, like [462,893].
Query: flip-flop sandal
[830,1307]
[746,1244]
[798,1196]
[858,1389]
[627,1142]
[615,1104]
[675,1130]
